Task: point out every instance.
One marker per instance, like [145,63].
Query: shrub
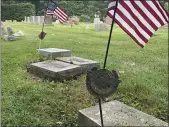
[17,11]
[84,18]
[166,6]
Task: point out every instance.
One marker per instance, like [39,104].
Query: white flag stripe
[146,24]
[139,19]
[63,17]
[62,12]
[162,10]
[154,20]
[156,10]
[59,16]
[128,28]
[112,4]
[126,13]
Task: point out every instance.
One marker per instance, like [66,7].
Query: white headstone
[28,19]
[33,19]
[100,26]
[41,19]
[25,19]
[96,20]
[38,19]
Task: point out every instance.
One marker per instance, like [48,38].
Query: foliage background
[17,11]
[84,9]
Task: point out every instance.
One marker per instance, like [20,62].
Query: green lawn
[34,102]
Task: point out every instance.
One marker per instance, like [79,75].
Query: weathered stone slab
[116,113]
[84,63]
[54,52]
[55,70]
[10,38]
[48,20]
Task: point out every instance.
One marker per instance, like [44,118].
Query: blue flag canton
[52,6]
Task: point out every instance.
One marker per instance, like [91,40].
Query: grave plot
[59,67]
[84,63]
[55,70]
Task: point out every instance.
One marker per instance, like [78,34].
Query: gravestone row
[39,20]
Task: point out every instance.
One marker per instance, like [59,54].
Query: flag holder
[105,60]
[42,34]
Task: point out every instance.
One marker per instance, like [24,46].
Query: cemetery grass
[27,100]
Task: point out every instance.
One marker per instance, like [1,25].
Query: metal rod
[108,44]
[101,115]
[45,16]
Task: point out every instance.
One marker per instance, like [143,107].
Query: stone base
[84,63]
[54,52]
[55,70]
[116,113]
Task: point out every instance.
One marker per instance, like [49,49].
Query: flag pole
[105,60]
[45,16]
[108,44]
[43,23]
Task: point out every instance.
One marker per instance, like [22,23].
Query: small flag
[139,18]
[59,13]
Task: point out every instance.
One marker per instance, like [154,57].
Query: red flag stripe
[59,17]
[134,15]
[131,21]
[139,19]
[157,11]
[148,7]
[163,10]
[62,12]
[131,25]
[148,13]
[148,20]
[160,10]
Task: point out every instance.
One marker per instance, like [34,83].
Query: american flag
[59,13]
[139,18]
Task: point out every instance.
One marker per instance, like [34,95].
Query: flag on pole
[59,13]
[139,18]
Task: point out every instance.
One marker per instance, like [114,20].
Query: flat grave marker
[84,63]
[54,52]
[55,70]
[116,113]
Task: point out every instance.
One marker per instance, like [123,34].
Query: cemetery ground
[27,100]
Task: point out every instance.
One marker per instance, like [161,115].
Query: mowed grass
[25,101]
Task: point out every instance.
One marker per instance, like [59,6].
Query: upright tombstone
[3,31]
[28,20]
[25,20]
[33,19]
[108,20]
[38,19]
[100,26]
[96,19]
[41,19]
[48,20]
[9,30]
